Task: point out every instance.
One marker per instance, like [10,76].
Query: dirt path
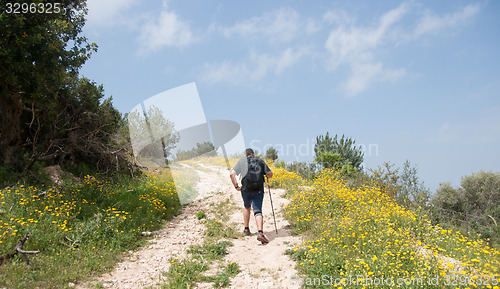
[261,266]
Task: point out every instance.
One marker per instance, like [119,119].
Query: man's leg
[257,209]
[259,220]
[246,217]
[247,205]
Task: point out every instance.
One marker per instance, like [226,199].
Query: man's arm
[234,181]
[267,170]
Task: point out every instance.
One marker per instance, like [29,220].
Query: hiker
[252,170]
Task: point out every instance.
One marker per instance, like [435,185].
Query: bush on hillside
[475,205]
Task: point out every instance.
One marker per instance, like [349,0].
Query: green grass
[219,228]
[216,230]
[210,251]
[80,230]
[221,279]
[184,273]
[221,210]
[201,215]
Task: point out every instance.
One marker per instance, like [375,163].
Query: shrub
[475,206]
[304,169]
[402,185]
[271,154]
[337,153]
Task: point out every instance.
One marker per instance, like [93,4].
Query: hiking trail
[261,266]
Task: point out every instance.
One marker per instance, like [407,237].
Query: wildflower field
[362,238]
[79,230]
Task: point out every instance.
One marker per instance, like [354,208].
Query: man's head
[249,152]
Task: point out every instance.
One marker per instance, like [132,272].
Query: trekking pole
[269,187]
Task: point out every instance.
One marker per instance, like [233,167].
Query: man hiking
[252,170]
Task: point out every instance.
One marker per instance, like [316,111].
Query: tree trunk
[10,124]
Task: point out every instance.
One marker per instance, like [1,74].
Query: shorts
[253,198]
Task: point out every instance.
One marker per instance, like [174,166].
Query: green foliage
[386,178]
[328,159]
[341,154]
[411,189]
[210,251]
[271,154]
[482,193]
[216,229]
[79,230]
[475,206]
[402,185]
[48,114]
[201,215]
[306,170]
[363,232]
[152,135]
[7,178]
[222,279]
[86,126]
[449,198]
[183,274]
[40,54]
[205,148]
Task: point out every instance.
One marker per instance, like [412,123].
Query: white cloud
[167,30]
[432,24]
[256,68]
[226,71]
[347,43]
[311,26]
[366,73]
[337,17]
[278,26]
[356,46]
[107,12]
[289,58]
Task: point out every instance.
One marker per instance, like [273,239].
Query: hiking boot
[262,238]
[246,232]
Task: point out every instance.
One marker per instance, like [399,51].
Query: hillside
[99,234]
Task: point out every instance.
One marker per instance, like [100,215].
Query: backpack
[254,178]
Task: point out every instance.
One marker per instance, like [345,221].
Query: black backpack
[255,176]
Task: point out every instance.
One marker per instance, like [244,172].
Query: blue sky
[408,80]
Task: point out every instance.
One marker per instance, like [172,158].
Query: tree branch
[19,249]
